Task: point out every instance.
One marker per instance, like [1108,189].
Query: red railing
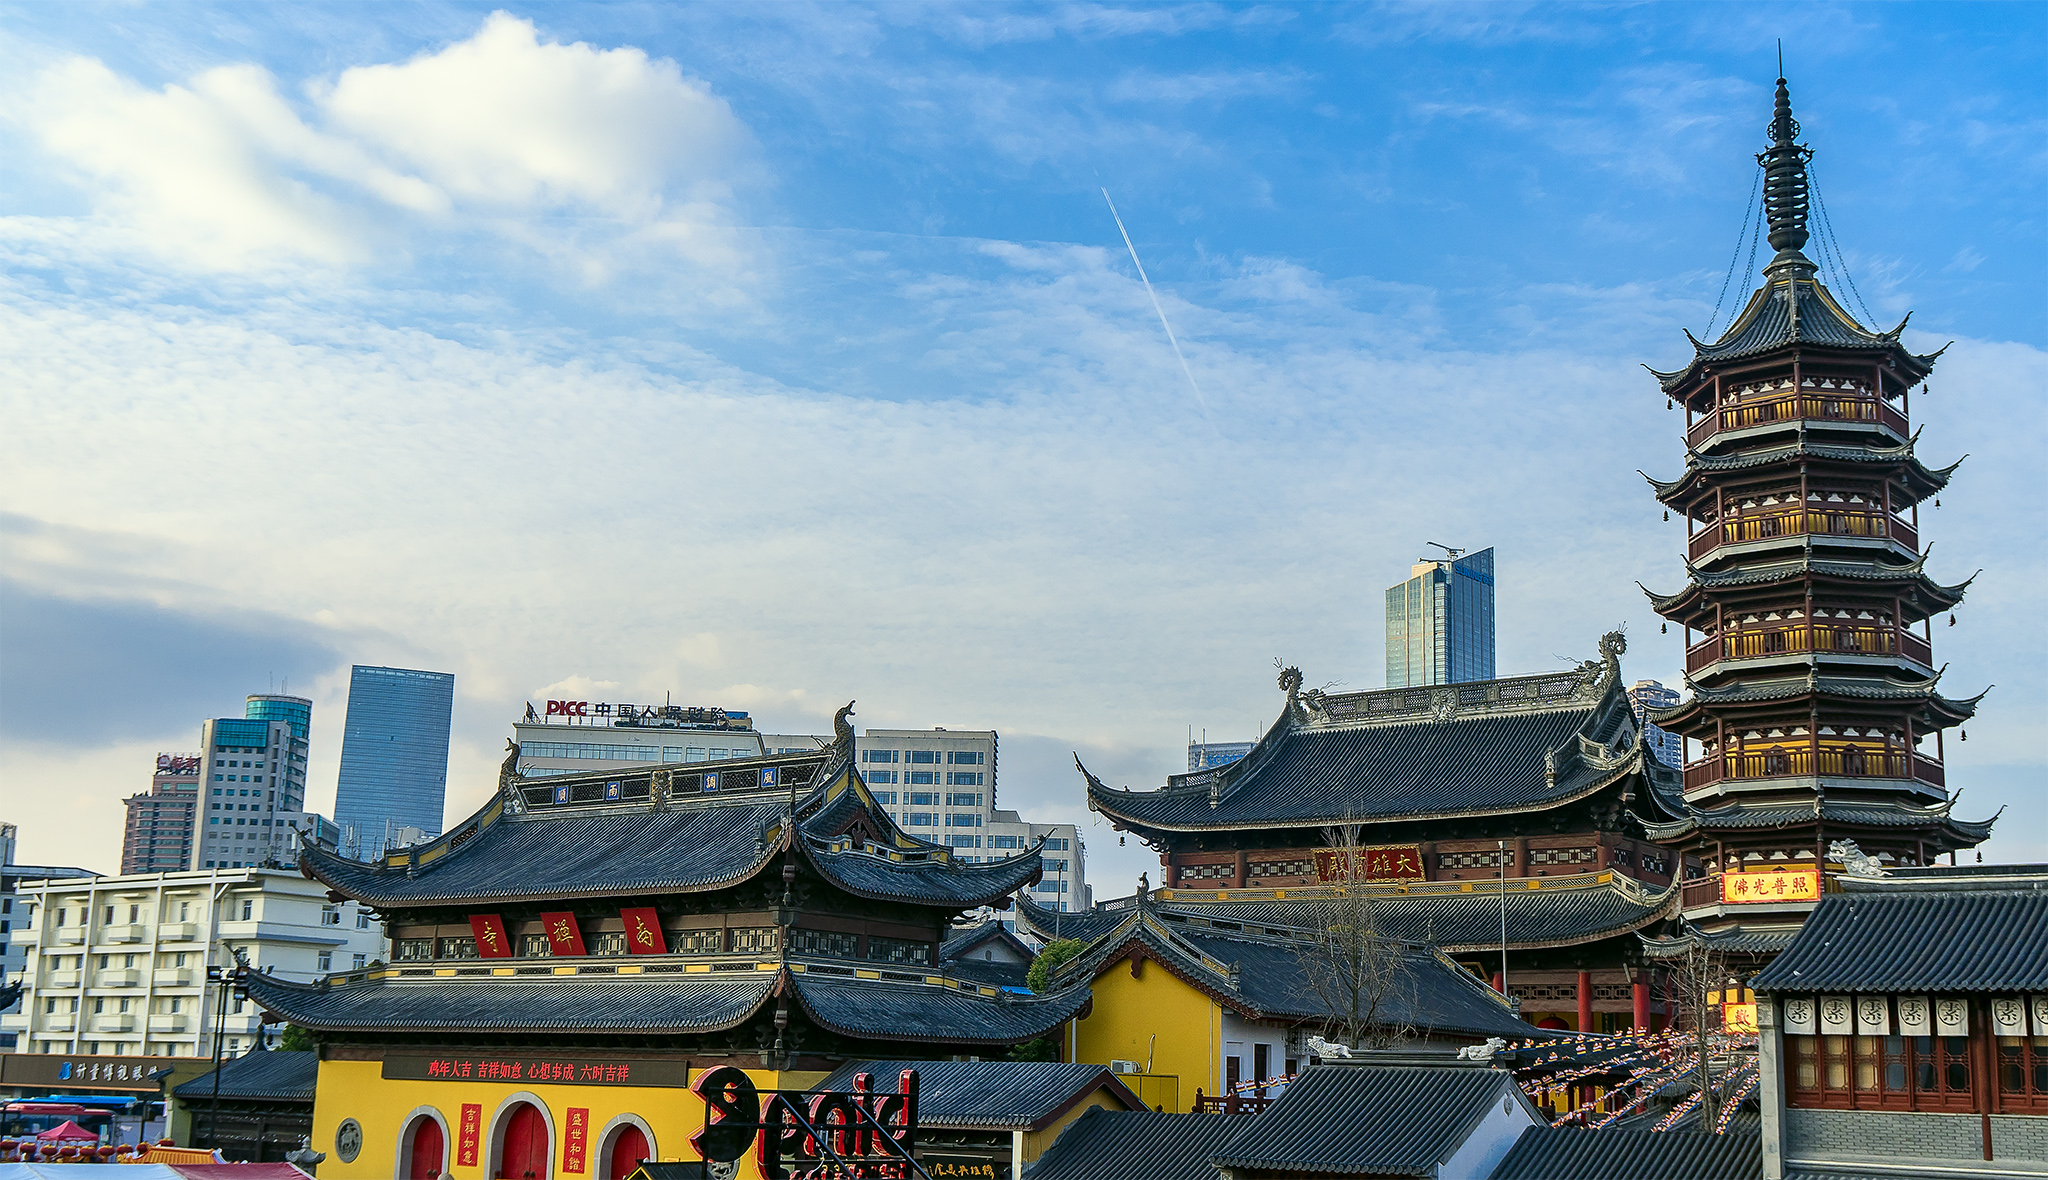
[1818,522]
[1705,891]
[1795,407]
[1228,1104]
[1916,649]
[1927,770]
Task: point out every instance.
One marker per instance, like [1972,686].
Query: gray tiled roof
[1369,1120]
[1764,573]
[1572,1153]
[1431,995]
[1766,323]
[1919,481]
[669,1003]
[1482,760]
[629,1003]
[279,1075]
[988,1093]
[1741,816]
[1959,940]
[1138,1145]
[889,1011]
[1458,921]
[692,844]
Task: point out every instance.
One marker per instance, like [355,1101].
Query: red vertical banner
[575,1139]
[491,942]
[564,938]
[643,931]
[469,1134]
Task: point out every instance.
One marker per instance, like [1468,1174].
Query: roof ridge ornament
[1786,192]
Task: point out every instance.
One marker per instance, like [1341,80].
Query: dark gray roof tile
[972,1094]
[277,1075]
[1138,1145]
[1958,940]
[1370,1120]
[1572,1153]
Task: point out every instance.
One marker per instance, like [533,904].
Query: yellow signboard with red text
[1788,885]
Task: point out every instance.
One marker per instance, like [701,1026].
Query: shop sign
[1382,862]
[549,1070]
[575,1138]
[964,1162]
[177,764]
[469,1134]
[491,942]
[87,1073]
[1786,885]
[563,936]
[856,1133]
[643,931]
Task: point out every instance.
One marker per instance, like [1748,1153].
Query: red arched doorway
[525,1152]
[628,1148]
[423,1161]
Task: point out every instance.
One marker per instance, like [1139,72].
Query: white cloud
[494,134]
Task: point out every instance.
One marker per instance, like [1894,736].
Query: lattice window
[696,942]
[829,943]
[1560,856]
[755,939]
[1283,868]
[1226,870]
[1474,860]
[898,950]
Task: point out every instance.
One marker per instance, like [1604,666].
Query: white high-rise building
[252,782]
[940,785]
[577,737]
[1651,694]
[117,966]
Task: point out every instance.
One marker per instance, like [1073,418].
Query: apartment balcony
[58,1022]
[124,934]
[1765,643]
[169,1022]
[113,1022]
[1806,762]
[63,978]
[117,977]
[14,1022]
[68,936]
[174,977]
[177,932]
[1790,407]
[1816,522]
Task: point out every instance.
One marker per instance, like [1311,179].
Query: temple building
[1492,815]
[568,959]
[1813,714]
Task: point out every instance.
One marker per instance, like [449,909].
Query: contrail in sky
[1170,339]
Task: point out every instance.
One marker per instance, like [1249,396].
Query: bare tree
[1700,973]
[1361,979]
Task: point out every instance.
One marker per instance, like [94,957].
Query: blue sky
[773,355]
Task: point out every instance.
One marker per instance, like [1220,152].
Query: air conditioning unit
[1124,1067]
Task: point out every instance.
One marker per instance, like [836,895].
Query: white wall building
[118,965]
[254,779]
[13,912]
[940,785]
[577,737]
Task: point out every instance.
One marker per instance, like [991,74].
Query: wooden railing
[1815,521]
[1750,645]
[1795,761]
[1916,649]
[1795,407]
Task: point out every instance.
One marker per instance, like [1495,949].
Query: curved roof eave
[274,987]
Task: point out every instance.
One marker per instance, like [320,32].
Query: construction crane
[1450,553]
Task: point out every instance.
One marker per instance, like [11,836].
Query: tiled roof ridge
[1769,322]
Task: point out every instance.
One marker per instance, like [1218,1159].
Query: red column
[1499,984]
[1641,992]
[1585,1001]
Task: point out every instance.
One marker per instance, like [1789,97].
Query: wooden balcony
[1793,640]
[1796,407]
[1834,761]
[1815,522]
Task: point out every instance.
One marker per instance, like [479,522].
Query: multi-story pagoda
[574,955]
[1814,714]
[1489,815]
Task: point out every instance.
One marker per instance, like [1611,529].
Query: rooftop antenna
[1453,554]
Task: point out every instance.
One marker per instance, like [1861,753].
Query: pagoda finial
[1785,187]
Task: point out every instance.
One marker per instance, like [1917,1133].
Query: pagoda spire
[1785,189]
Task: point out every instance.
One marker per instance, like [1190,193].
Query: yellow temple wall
[384,1107]
[1153,1017]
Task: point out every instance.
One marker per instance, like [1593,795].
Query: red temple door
[425,1163]
[629,1147]
[525,1154]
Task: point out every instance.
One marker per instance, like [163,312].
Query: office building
[252,779]
[394,755]
[1204,754]
[13,956]
[117,966]
[578,737]
[1440,621]
[1648,695]
[940,785]
[158,834]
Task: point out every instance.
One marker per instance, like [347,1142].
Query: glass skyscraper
[394,756]
[1440,622]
